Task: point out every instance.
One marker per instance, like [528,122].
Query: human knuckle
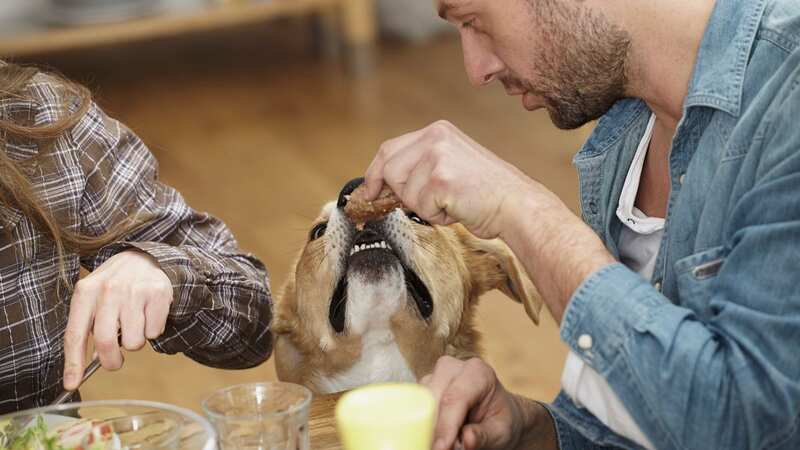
[114,365]
[104,344]
[111,286]
[452,397]
[384,150]
[72,337]
[440,177]
[438,130]
[480,368]
[164,290]
[443,125]
[445,362]
[83,287]
[134,342]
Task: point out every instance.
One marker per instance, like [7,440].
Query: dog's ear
[492,265]
[284,319]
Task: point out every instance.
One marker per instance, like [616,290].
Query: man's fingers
[374,176]
[416,181]
[403,166]
[474,437]
[463,393]
[432,208]
[81,313]
[106,329]
[446,369]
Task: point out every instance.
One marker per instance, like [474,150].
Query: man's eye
[317,231]
[415,218]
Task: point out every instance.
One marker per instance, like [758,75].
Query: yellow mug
[395,416]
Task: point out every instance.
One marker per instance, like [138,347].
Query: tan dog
[384,303]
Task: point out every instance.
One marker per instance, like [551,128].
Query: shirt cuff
[179,268]
[605,310]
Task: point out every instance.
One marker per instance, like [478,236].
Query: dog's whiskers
[424,244]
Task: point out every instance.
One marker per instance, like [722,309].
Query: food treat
[360,210]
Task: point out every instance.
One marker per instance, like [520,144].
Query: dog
[384,302]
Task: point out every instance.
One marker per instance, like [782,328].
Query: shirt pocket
[697,275]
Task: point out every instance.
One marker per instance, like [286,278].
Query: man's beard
[583,70]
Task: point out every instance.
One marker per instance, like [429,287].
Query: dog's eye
[317,231]
[415,218]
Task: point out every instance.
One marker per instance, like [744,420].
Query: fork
[90,370]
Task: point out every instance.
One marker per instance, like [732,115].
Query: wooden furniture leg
[359,31]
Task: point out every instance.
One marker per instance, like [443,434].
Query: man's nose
[481,63]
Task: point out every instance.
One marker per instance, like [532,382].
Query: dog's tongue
[360,210]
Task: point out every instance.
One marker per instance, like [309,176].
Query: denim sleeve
[727,376]
[590,435]
[720,367]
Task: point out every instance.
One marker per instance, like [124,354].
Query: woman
[79,189]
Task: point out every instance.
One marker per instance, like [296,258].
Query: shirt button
[681,178]
[585,342]
[657,285]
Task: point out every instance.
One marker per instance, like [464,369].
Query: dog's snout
[347,190]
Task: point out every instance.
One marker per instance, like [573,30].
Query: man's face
[558,54]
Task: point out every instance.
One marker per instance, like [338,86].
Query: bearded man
[676,289]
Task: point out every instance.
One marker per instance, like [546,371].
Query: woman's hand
[126,300]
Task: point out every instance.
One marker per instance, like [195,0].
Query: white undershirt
[639,242]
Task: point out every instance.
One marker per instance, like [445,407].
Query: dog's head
[384,302]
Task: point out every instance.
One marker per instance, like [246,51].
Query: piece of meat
[360,210]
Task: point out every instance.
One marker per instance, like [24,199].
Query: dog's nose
[347,190]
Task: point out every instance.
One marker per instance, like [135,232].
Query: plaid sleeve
[221,303]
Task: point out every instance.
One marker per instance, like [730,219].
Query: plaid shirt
[95,176]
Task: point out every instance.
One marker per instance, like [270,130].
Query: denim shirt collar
[718,77]
[717,80]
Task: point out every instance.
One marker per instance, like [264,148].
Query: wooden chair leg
[359,30]
[327,39]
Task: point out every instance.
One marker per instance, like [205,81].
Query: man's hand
[475,408]
[444,176]
[128,293]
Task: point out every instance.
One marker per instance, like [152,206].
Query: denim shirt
[706,354]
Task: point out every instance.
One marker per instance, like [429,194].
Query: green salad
[81,434]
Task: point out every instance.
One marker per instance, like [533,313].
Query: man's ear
[284,319]
[492,265]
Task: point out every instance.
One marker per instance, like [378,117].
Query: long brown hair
[16,190]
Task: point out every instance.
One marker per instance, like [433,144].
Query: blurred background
[259,111]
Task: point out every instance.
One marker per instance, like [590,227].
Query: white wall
[412,19]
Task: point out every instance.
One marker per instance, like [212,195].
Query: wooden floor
[260,132]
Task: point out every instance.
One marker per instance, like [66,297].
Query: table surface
[322,423]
